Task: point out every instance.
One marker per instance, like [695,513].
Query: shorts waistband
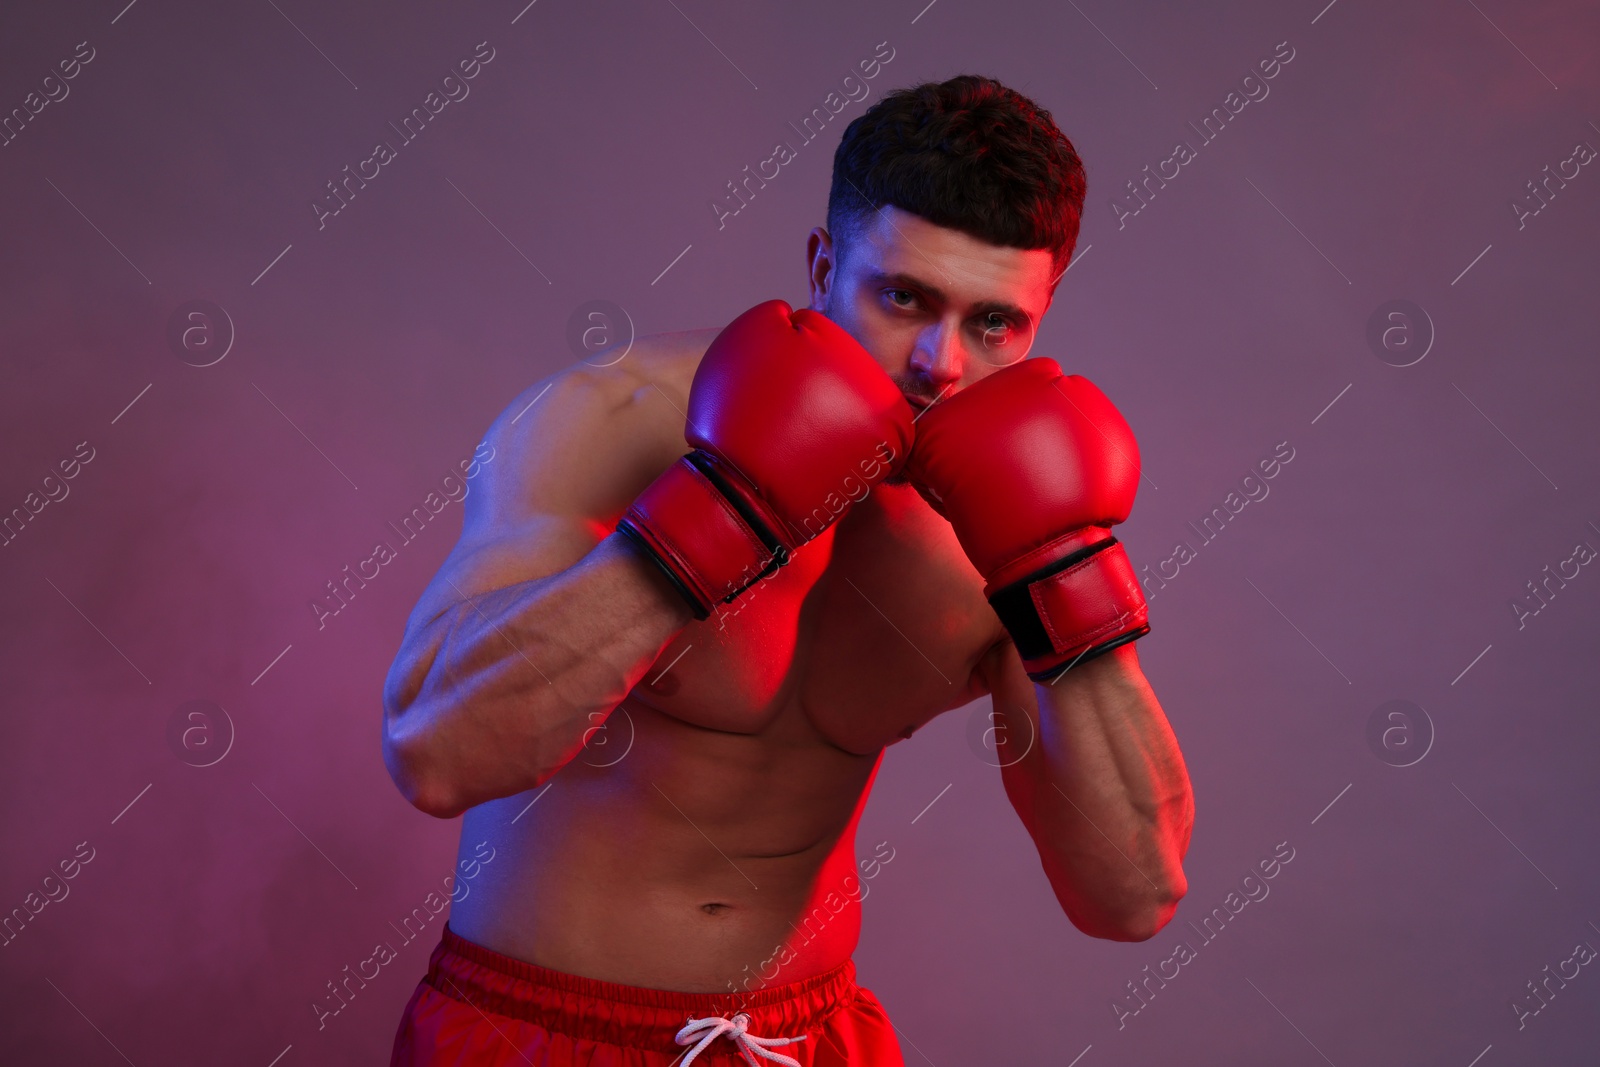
[618,1014]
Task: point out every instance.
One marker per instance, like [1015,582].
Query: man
[660,668]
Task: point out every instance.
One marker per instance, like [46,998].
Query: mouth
[923,403]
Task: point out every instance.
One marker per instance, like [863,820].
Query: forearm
[496,694]
[1106,797]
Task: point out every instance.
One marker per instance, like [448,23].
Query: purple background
[1382,566]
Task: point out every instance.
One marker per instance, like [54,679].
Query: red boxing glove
[1033,468]
[792,421]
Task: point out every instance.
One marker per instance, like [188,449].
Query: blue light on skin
[938,309]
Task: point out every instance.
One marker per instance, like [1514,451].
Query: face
[938,309]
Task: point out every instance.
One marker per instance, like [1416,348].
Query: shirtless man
[671,778]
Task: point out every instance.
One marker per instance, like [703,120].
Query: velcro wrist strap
[1078,607]
[709,543]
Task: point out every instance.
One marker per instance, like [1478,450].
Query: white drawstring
[736,1031]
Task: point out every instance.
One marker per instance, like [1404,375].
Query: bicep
[566,462]
[534,547]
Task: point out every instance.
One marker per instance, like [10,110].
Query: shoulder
[614,380]
[588,438]
[611,377]
[559,465]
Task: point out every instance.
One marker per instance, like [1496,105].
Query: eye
[995,322]
[893,294]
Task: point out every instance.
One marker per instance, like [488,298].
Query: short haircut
[968,154]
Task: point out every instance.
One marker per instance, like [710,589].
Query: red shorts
[478,1007]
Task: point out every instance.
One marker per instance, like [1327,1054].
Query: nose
[938,356]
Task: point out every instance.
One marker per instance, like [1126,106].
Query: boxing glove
[791,421]
[1032,468]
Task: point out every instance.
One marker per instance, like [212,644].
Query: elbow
[434,798]
[426,790]
[445,761]
[440,806]
[1157,910]
[1159,902]
[410,755]
[1148,922]
[435,768]
[1137,922]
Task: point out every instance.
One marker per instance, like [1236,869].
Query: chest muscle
[871,631]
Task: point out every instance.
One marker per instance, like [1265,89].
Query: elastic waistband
[625,1015]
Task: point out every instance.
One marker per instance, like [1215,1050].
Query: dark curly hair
[968,154]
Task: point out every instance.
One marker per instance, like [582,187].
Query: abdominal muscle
[701,861]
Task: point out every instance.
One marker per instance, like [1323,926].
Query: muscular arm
[540,620]
[1102,788]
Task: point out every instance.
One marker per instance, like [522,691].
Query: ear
[819,267]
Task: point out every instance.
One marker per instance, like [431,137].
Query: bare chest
[870,632]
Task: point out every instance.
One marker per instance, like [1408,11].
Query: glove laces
[736,1030]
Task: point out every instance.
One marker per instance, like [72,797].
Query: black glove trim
[703,462]
[1015,606]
